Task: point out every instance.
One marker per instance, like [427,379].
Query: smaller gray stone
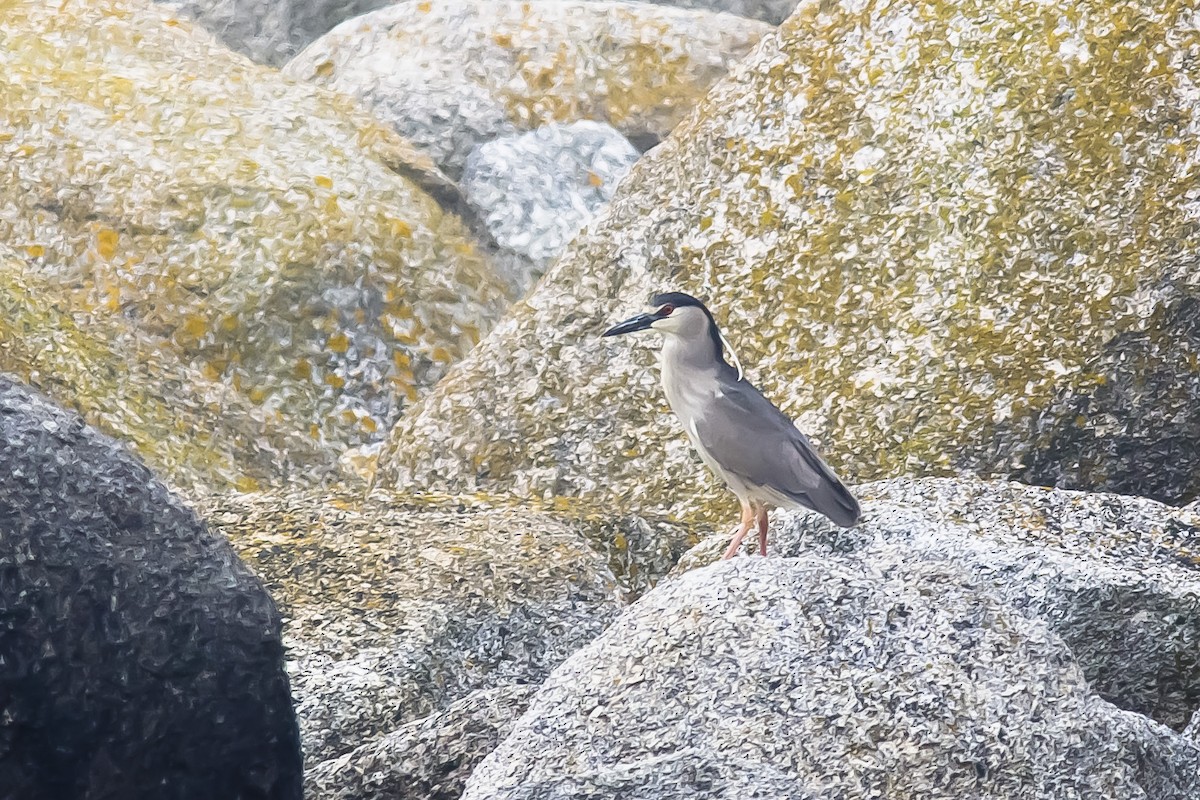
[429,759]
[535,190]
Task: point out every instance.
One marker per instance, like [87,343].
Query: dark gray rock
[429,759]
[139,657]
[1117,577]
[536,190]
[824,677]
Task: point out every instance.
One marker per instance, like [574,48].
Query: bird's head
[683,317]
[672,313]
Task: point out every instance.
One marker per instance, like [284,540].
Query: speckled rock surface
[195,432]
[395,610]
[816,677]
[928,230]
[1192,731]
[1118,578]
[259,227]
[534,191]
[449,74]
[136,651]
[429,759]
[1167,764]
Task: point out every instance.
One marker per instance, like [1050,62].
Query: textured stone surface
[259,227]
[197,433]
[820,677]
[536,190]
[395,610]
[136,651]
[1167,764]
[1192,732]
[450,74]
[429,759]
[271,31]
[1118,578]
[930,232]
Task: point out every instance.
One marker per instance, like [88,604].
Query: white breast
[689,397]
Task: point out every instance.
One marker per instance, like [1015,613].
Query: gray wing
[754,440]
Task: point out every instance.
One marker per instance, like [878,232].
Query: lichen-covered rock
[449,74]
[534,191]
[197,433]
[817,677]
[395,610]
[429,759]
[258,226]
[1118,578]
[942,235]
[136,651]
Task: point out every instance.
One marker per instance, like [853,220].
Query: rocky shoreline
[320,482]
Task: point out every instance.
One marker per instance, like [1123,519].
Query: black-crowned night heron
[740,435]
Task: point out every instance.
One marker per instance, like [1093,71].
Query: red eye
[665,311]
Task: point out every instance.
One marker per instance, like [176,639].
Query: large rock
[824,677]
[397,609]
[197,433]
[944,236]
[1118,578]
[259,227]
[535,190]
[136,651]
[451,74]
[272,31]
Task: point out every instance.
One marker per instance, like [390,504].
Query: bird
[742,436]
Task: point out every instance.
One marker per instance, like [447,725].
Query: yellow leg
[747,521]
[762,531]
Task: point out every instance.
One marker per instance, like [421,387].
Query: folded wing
[752,439]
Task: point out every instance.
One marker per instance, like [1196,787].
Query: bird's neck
[692,355]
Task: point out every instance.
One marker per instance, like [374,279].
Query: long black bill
[639,323]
